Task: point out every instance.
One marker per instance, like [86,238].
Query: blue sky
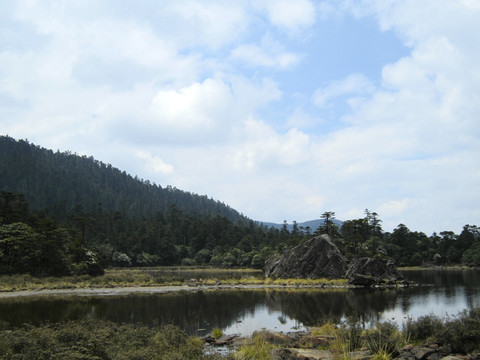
[282,109]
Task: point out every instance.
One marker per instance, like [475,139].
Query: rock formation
[316,258]
[320,258]
[372,271]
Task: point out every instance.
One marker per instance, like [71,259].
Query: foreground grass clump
[97,339]
[259,349]
[384,340]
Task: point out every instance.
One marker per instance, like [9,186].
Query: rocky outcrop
[316,258]
[372,271]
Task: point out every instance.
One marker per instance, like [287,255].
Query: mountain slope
[61,182]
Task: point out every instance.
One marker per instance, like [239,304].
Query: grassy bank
[100,339]
[158,276]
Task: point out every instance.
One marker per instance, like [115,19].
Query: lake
[441,292]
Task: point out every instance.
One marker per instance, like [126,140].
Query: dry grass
[160,276]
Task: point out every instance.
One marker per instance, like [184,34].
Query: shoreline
[128,290]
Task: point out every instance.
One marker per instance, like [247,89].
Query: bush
[462,333]
[121,259]
[424,328]
[188,262]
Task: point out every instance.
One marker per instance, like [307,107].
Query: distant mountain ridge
[311,224]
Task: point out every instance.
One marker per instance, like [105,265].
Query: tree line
[62,213]
[86,243]
[365,237]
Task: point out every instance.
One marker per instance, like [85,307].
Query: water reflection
[241,311]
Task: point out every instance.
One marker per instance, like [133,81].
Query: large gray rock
[316,258]
[372,271]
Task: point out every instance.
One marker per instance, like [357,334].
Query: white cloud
[198,106]
[354,84]
[290,14]
[210,111]
[269,54]
[161,90]
[212,23]
[300,118]
[263,148]
[155,163]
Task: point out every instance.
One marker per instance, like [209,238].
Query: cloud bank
[235,100]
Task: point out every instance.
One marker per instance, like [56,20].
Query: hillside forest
[65,214]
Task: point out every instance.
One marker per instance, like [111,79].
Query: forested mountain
[59,182]
[61,213]
[94,208]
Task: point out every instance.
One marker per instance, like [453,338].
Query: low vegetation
[459,334]
[94,339]
[159,276]
[100,339]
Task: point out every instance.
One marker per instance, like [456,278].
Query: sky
[282,109]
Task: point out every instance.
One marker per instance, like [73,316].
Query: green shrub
[424,328]
[462,333]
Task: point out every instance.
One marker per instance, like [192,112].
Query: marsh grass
[159,276]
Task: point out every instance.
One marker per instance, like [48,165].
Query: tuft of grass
[327,329]
[217,333]
[384,339]
[340,347]
[259,349]
[382,354]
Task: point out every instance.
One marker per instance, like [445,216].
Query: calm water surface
[244,311]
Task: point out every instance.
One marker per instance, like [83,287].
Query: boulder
[372,271]
[301,354]
[316,258]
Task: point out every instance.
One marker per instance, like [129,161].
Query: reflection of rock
[316,258]
[372,271]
